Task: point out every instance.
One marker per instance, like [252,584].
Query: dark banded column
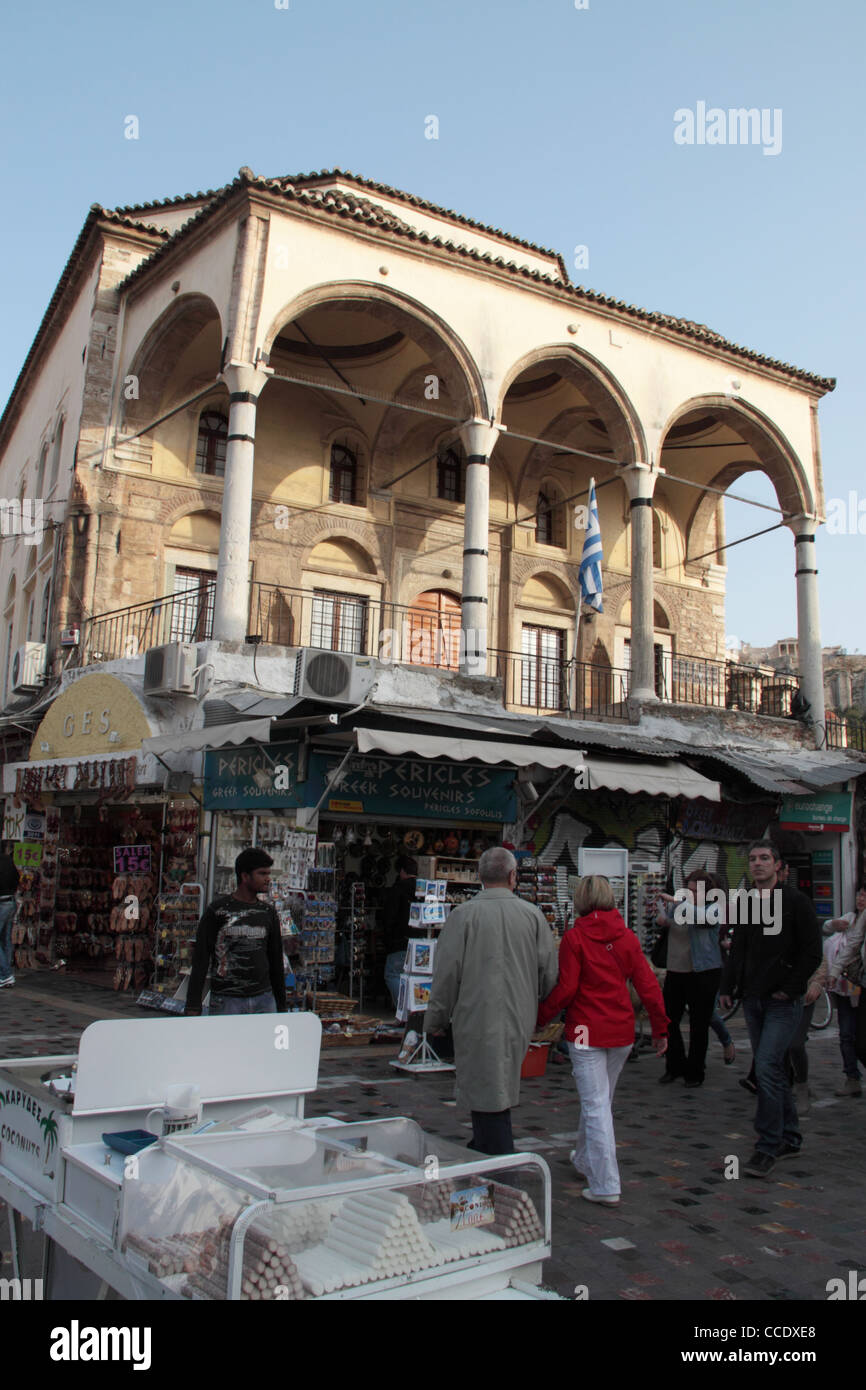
[478,441]
[640,480]
[231,606]
[809,618]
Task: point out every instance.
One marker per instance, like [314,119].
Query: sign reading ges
[132,859]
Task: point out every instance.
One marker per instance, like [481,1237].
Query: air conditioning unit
[169,670]
[337,676]
[28,667]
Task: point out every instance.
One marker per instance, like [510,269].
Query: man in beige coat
[495,960]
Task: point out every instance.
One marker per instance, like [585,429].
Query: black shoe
[760,1165]
[690,1085]
[789,1151]
[748,1085]
[666,1078]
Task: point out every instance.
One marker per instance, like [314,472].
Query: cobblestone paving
[683,1229]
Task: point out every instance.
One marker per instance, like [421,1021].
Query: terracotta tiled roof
[344,205]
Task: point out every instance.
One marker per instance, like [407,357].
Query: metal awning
[218,736]
[423,745]
[667,778]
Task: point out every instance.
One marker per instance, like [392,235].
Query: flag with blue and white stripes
[591,559]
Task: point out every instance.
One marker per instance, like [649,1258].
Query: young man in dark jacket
[239,940]
[775,949]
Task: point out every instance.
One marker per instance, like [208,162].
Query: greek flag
[590,563]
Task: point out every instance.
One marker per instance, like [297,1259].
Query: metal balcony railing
[346,622]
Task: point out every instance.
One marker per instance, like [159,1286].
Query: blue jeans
[846,1015]
[393,971]
[7,917]
[255,1004]
[773,1025]
[719,1027]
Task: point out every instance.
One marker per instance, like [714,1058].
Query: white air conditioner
[169,670]
[338,676]
[28,667]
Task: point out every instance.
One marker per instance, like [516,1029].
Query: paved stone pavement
[683,1229]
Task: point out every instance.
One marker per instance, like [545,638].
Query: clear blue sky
[556,124]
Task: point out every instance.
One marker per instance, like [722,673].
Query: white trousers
[596,1072]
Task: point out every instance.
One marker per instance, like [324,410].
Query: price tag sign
[132,859]
[472,1207]
[27,855]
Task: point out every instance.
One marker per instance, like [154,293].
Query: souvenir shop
[370,809]
[102,847]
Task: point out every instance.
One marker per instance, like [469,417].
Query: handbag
[659,952]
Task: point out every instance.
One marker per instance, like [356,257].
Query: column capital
[640,480]
[243,378]
[803,526]
[479,437]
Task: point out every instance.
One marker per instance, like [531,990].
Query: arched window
[55,460]
[210,449]
[43,620]
[549,528]
[450,477]
[434,630]
[344,476]
[40,471]
[657,540]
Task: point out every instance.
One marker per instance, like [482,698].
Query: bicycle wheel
[822,1012]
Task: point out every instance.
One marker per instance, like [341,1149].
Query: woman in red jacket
[597,958]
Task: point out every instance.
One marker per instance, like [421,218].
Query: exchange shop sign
[416,787]
[243,779]
[822,811]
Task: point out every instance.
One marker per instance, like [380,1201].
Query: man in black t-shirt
[239,941]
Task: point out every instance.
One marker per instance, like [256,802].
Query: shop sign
[817,813]
[722,820]
[34,826]
[132,859]
[472,1207]
[13,821]
[27,854]
[237,779]
[29,1134]
[420,788]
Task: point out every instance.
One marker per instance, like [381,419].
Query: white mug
[180,1112]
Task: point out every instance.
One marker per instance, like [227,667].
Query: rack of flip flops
[130,923]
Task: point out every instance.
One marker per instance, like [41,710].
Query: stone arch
[775,457]
[338,552]
[360,535]
[661,619]
[389,306]
[543,589]
[197,529]
[157,355]
[600,388]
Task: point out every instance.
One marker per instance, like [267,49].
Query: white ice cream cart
[242,1196]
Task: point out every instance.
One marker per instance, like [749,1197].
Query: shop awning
[218,736]
[667,777]
[464,750]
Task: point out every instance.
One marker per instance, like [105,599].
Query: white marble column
[640,481]
[231,606]
[809,620]
[478,439]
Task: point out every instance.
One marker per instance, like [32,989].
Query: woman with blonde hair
[597,959]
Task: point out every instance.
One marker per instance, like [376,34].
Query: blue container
[129,1141]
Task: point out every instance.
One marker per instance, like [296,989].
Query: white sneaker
[611,1201]
[10,980]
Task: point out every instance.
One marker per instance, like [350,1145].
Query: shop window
[339,623]
[542,676]
[193,605]
[210,448]
[450,477]
[434,631]
[344,476]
